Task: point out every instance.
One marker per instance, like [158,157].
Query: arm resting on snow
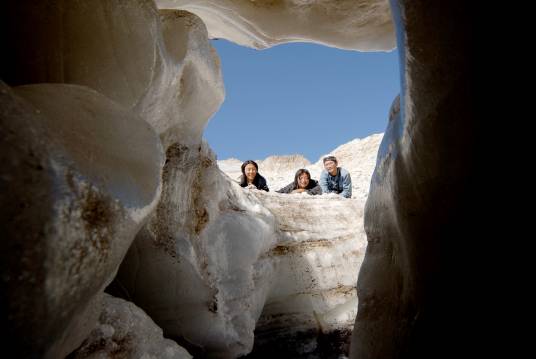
[263,185]
[346,185]
[315,190]
[287,189]
[323,182]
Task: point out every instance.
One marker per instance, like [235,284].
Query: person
[302,183]
[335,179]
[251,178]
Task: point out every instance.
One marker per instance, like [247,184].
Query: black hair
[298,174]
[243,178]
[330,158]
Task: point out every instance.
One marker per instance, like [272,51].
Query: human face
[331,167]
[251,172]
[303,180]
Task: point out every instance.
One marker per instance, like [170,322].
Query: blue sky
[299,98]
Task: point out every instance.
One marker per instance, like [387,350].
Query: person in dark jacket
[302,183]
[251,177]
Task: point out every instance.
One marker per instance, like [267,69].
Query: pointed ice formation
[199,267]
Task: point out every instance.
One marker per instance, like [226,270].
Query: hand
[251,186]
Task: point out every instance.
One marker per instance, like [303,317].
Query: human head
[302,178]
[249,170]
[330,164]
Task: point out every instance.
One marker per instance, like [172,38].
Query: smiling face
[250,171]
[331,167]
[303,180]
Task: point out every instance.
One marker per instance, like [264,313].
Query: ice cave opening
[107,183]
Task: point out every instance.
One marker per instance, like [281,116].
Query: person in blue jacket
[335,179]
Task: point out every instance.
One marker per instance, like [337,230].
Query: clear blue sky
[299,98]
